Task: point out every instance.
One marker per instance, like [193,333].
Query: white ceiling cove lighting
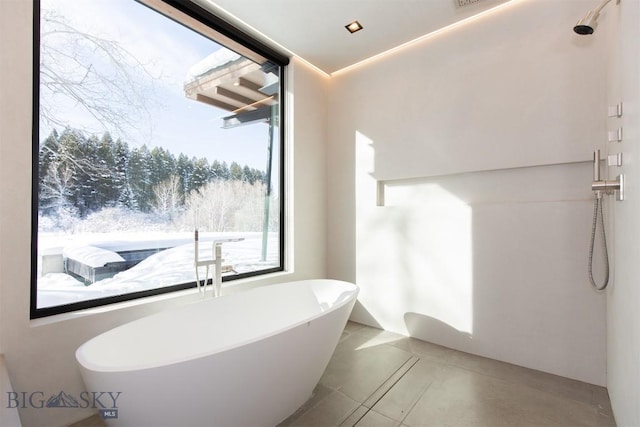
[353,27]
[325,45]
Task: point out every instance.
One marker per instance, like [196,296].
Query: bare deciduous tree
[79,69]
[167,196]
[224,205]
[57,185]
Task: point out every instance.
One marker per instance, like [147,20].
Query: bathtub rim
[88,365]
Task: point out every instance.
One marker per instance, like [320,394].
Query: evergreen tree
[224,171]
[216,170]
[184,170]
[128,199]
[162,165]
[260,176]
[139,180]
[201,174]
[235,172]
[120,175]
[106,188]
[247,175]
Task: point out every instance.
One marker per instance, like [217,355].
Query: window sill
[179,298]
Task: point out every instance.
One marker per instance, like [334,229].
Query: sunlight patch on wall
[376,257]
[413,249]
[439,249]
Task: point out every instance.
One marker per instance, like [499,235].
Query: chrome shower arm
[604,3]
[588,24]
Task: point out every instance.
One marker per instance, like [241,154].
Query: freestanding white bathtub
[247,359]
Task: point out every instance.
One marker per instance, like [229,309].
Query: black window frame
[219,26]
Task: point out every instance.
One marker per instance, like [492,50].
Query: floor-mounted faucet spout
[215,261]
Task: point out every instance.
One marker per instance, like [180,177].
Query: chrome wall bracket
[607,187]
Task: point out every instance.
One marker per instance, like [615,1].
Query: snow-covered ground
[169,267]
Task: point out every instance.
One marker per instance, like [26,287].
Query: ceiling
[314,30]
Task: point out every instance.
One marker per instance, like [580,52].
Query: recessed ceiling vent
[463,3]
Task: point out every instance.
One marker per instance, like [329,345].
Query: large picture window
[153,122]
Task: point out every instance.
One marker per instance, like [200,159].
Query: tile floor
[377,378]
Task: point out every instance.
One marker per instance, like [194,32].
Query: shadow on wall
[364,316]
[419,325]
[491,263]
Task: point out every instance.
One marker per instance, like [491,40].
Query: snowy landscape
[166,268]
[131,161]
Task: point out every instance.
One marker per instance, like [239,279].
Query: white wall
[40,355]
[481,138]
[623,313]
[308,103]
[8,415]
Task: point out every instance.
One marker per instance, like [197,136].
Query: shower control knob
[615,110]
[615,135]
[614,159]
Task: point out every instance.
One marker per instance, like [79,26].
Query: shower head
[588,24]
